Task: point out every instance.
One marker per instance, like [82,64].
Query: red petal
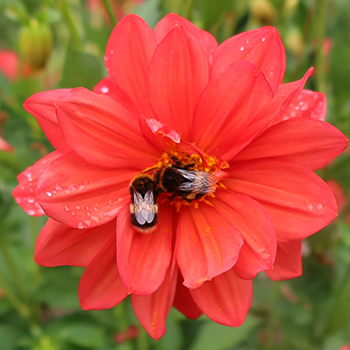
[208,242]
[102,131]
[80,194]
[256,227]
[24,193]
[227,106]
[42,106]
[226,299]
[59,244]
[184,302]
[262,47]
[298,201]
[288,261]
[109,87]
[172,20]
[128,53]
[309,104]
[100,286]
[143,258]
[178,74]
[311,143]
[152,310]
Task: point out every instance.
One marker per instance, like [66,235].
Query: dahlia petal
[127,60]
[234,97]
[288,261]
[79,194]
[24,193]
[309,104]
[226,299]
[177,75]
[262,47]
[275,110]
[100,286]
[60,244]
[103,131]
[308,142]
[42,106]
[109,87]
[170,21]
[184,302]
[208,243]
[256,227]
[143,258]
[152,310]
[297,200]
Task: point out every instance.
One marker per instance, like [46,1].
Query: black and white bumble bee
[144,207]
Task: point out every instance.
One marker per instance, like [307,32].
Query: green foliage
[39,307]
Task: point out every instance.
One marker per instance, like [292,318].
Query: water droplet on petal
[87,208]
[49,194]
[319,206]
[18,200]
[95,219]
[66,208]
[241,48]
[247,42]
[263,39]
[87,223]
[80,225]
[77,207]
[30,200]
[304,107]
[31,212]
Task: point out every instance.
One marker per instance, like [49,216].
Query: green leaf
[8,337]
[81,69]
[216,337]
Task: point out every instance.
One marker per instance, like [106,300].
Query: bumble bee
[143,207]
[179,180]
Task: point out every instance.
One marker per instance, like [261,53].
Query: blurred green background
[61,44]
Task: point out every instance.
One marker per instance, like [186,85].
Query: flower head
[228,152]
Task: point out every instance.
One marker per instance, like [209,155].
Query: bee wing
[145,209]
[199,181]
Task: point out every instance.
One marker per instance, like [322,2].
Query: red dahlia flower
[173,96]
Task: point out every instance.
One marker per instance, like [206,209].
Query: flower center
[187,178]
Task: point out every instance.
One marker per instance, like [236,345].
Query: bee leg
[188,166]
[182,195]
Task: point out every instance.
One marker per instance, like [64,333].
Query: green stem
[13,268]
[22,309]
[110,12]
[320,32]
[189,9]
[142,341]
[66,13]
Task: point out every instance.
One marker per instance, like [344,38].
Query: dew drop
[18,200]
[88,214]
[66,208]
[241,48]
[293,114]
[31,212]
[319,206]
[49,194]
[80,225]
[73,213]
[263,39]
[96,210]
[30,200]
[247,42]
[58,187]
[112,52]
[104,89]
[87,207]
[95,219]
[77,207]
[310,207]
[87,223]
[304,107]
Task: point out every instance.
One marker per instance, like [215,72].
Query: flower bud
[263,10]
[35,41]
